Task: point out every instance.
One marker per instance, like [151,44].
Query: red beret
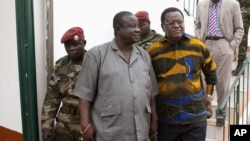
[74,34]
[142,15]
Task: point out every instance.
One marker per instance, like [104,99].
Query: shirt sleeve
[51,103]
[86,84]
[209,69]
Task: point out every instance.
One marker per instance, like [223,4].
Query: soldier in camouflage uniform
[148,36]
[245,10]
[60,115]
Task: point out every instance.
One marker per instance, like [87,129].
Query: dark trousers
[186,132]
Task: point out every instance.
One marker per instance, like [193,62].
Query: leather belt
[214,38]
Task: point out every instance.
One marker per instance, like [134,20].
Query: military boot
[236,71]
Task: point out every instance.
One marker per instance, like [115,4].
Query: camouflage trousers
[242,55]
[67,131]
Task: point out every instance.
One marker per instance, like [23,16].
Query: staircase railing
[236,101]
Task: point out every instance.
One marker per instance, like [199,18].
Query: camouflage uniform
[146,42]
[60,104]
[245,10]
[246,23]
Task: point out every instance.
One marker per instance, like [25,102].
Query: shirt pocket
[112,120]
[110,111]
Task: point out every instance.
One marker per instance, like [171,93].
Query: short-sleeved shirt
[120,92]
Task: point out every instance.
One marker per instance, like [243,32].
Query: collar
[184,36]
[115,46]
[218,3]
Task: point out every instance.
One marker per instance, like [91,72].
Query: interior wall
[41,38]
[10,106]
[97,19]
[10,110]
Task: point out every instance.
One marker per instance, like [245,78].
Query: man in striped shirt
[178,61]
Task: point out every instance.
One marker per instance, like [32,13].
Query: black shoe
[220,122]
[236,71]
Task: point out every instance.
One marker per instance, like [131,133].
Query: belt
[214,38]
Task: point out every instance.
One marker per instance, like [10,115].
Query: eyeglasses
[173,23]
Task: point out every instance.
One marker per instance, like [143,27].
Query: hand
[208,103]
[47,134]
[89,134]
[153,136]
[154,118]
[153,129]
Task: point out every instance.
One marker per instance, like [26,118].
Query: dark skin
[174,29]
[215,1]
[75,51]
[145,28]
[126,35]
[173,26]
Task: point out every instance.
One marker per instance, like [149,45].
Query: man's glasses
[173,23]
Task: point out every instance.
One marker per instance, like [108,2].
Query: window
[190,7]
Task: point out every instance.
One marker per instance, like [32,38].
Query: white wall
[40,51]
[10,107]
[96,18]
